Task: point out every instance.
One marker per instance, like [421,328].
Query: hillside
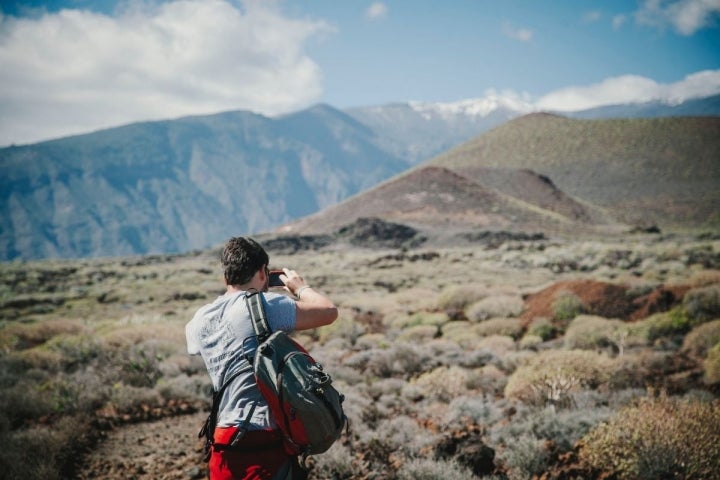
[178,185]
[664,171]
[544,173]
[439,200]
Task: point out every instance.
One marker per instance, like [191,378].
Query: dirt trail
[166,449]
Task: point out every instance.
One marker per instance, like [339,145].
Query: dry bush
[658,438]
[344,327]
[542,327]
[588,332]
[525,457]
[508,327]
[702,304]
[372,340]
[43,452]
[443,383]
[702,338]
[530,342]
[76,350]
[461,333]
[418,333]
[482,410]
[704,278]
[21,336]
[712,365]
[428,469]
[563,427]
[553,375]
[489,379]
[457,297]
[498,345]
[337,462]
[416,298]
[400,358]
[495,306]
[402,320]
[638,368]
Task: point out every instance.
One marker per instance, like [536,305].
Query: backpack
[300,395]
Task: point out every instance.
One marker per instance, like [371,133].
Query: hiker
[222,333]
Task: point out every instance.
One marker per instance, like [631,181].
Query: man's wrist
[300,290]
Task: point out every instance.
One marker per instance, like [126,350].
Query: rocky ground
[166,449]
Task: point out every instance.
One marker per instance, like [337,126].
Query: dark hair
[241,258]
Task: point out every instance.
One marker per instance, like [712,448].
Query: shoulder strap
[257,315]
[208,428]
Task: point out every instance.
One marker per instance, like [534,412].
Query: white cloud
[686,16]
[75,71]
[376,11]
[521,34]
[631,89]
[618,21]
[592,16]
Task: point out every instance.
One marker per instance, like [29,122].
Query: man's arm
[312,309]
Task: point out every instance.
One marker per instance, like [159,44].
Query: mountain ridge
[176,185]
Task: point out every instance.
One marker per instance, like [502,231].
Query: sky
[75,66]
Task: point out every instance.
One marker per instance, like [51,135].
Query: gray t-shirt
[222,333]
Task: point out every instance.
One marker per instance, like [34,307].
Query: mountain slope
[437,199]
[662,170]
[547,173]
[179,185]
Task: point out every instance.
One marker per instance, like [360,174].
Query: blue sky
[72,66]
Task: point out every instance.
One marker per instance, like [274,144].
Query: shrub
[588,332]
[337,462]
[638,368]
[661,325]
[343,327]
[461,333]
[488,379]
[702,304]
[42,452]
[457,297]
[481,410]
[567,306]
[530,341]
[563,427]
[22,336]
[418,319]
[510,327]
[427,469]
[495,306]
[702,338]
[525,457]
[498,345]
[418,333]
[541,327]
[712,365]
[657,438]
[553,375]
[443,383]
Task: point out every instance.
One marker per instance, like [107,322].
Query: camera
[274,280]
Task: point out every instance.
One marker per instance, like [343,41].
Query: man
[222,333]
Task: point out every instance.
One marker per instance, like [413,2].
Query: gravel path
[166,449]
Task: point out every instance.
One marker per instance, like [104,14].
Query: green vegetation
[442,377]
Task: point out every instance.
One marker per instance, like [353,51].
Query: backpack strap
[257,315]
[208,428]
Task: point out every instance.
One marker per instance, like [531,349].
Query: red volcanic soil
[603,299]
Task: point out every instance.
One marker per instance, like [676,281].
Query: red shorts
[258,455]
